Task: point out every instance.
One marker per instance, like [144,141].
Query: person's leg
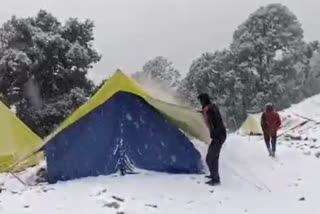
[215,162]
[274,145]
[209,158]
[267,141]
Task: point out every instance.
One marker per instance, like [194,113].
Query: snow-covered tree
[271,55]
[312,85]
[267,31]
[161,70]
[53,110]
[212,73]
[40,54]
[268,61]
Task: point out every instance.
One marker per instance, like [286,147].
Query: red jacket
[270,123]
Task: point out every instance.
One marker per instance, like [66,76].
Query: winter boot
[213,182]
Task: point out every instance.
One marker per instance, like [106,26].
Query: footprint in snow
[113,204]
[2,189]
[16,193]
[151,205]
[190,202]
[46,189]
[296,183]
[99,193]
[118,199]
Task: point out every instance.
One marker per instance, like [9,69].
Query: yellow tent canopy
[251,125]
[16,141]
[188,120]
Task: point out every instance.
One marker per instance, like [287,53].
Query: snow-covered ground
[307,137]
[308,108]
[252,182]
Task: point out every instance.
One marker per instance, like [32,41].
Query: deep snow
[252,182]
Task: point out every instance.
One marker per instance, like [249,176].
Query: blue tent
[123,133]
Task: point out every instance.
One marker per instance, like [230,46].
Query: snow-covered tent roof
[188,120]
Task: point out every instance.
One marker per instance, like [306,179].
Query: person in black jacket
[218,135]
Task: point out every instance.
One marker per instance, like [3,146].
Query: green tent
[251,125]
[16,141]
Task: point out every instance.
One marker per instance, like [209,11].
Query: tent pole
[16,177]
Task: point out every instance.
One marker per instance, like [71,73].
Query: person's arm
[205,116]
[209,117]
[263,121]
[278,121]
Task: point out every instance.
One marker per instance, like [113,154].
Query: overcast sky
[130,32]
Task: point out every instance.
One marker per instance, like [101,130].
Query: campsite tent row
[290,121]
[119,129]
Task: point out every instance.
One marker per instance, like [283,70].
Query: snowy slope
[251,183]
[305,138]
[309,108]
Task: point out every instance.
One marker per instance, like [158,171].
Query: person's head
[269,107]
[204,99]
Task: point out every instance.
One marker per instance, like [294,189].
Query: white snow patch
[129,117]
[278,55]
[141,120]
[13,108]
[136,124]
[173,158]
[308,108]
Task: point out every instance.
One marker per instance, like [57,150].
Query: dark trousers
[212,158]
[267,139]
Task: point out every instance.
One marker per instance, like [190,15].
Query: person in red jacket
[270,123]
